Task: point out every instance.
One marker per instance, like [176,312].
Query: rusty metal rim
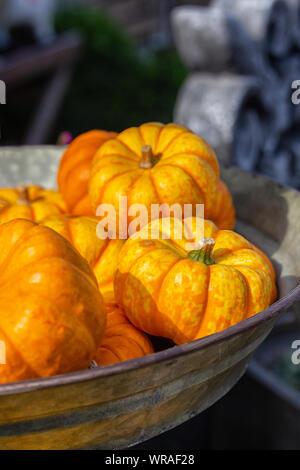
[166,355]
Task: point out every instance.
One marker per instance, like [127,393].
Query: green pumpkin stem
[204,253]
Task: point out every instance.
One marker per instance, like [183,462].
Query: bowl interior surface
[119,405]
[266,215]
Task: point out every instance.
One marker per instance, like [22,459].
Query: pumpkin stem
[93,365]
[23,193]
[147,157]
[204,253]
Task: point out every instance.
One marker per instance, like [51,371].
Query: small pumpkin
[121,340]
[74,170]
[102,255]
[166,290]
[224,212]
[52,315]
[156,164]
[29,202]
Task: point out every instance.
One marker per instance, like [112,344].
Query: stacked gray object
[243,56]
[268,22]
[209,104]
[195,36]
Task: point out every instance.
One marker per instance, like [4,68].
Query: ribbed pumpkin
[121,340]
[52,315]
[156,164]
[74,170]
[102,255]
[29,202]
[168,291]
[225,218]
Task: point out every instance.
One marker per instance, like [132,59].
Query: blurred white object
[202,38]
[39,14]
[211,105]
[266,21]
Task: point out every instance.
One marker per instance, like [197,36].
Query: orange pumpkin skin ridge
[29,202]
[224,213]
[74,170]
[185,171]
[102,255]
[165,293]
[121,340]
[57,316]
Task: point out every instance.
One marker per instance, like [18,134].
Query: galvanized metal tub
[117,406]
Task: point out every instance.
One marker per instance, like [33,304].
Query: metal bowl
[117,406]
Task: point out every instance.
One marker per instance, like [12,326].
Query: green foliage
[113,86]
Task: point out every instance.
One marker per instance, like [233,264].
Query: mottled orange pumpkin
[52,315]
[167,290]
[224,212]
[156,164]
[102,255]
[74,170]
[121,340]
[29,202]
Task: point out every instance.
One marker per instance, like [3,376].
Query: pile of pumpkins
[69,298]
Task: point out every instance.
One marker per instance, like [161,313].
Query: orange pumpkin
[224,209]
[74,170]
[29,202]
[167,290]
[52,315]
[156,164]
[102,255]
[121,340]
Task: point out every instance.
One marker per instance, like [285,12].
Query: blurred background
[108,64]
[227,69]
